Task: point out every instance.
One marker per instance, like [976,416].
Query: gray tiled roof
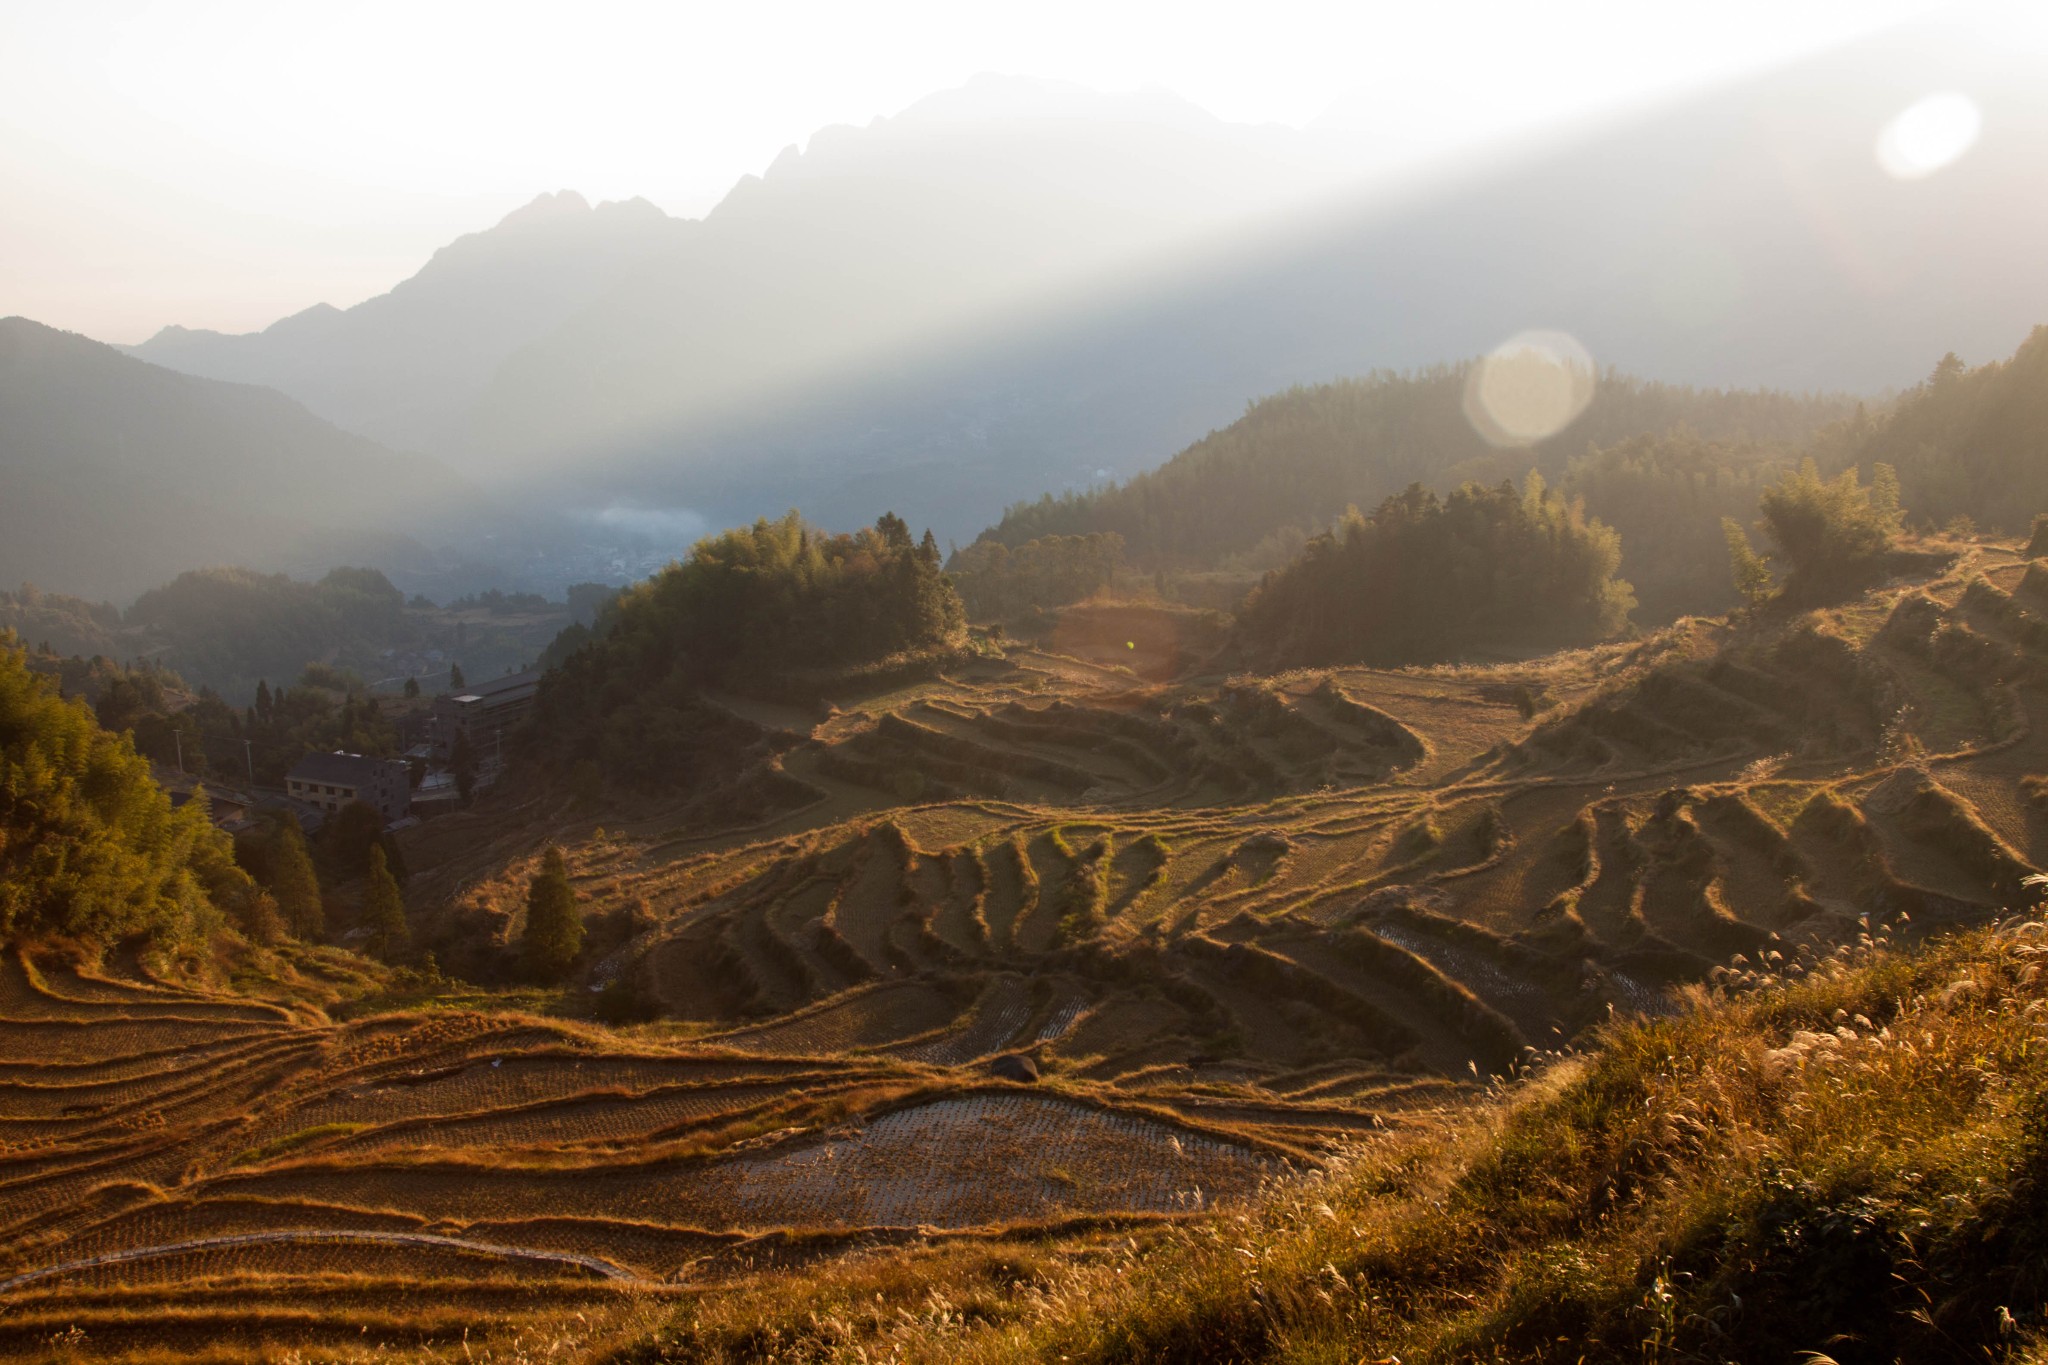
[511,682]
[347,770]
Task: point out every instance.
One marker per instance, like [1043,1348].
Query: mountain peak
[547,208]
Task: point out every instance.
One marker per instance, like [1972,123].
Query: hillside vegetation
[1965,442]
[1295,461]
[90,847]
[232,628]
[751,610]
[1426,579]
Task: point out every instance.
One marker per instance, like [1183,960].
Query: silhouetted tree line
[995,581]
[1426,579]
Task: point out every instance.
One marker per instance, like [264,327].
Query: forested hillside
[232,628]
[1667,496]
[226,630]
[1293,463]
[68,625]
[1965,442]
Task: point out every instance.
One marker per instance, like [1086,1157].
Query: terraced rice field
[1231,922]
[270,1171]
[1426,871]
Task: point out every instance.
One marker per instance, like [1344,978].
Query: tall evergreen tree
[462,762]
[293,881]
[554,929]
[384,911]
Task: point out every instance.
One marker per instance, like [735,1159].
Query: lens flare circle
[1928,135]
[1532,386]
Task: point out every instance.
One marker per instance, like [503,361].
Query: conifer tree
[554,929]
[462,762]
[293,881]
[384,911]
[455,683]
[1752,574]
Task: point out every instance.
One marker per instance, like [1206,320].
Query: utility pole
[179,736]
[249,757]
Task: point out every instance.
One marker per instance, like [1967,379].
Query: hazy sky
[222,163]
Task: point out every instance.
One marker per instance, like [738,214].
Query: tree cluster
[1668,497]
[90,847]
[1831,537]
[748,607]
[1966,442]
[1425,579]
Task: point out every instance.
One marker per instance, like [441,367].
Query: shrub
[1423,579]
[1830,534]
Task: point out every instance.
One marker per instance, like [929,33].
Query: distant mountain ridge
[969,200]
[120,474]
[403,367]
[969,305]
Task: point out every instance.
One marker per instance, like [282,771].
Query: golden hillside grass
[1849,1165]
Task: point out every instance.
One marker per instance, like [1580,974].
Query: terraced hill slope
[1232,924]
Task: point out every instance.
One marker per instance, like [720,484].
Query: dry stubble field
[1234,922]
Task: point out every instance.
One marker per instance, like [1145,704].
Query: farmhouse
[486,711]
[331,781]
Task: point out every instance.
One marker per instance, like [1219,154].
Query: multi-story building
[331,781]
[485,712]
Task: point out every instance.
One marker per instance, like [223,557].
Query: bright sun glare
[1928,135]
[1529,388]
